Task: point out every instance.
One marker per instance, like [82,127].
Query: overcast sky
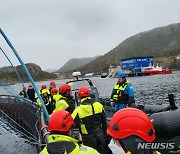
[50,32]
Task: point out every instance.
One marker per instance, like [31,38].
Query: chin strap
[124,147]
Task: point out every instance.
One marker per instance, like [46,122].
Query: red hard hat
[63,88]
[131,121]
[54,90]
[83,92]
[30,85]
[43,86]
[60,121]
[52,83]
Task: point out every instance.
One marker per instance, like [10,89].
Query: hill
[7,73]
[163,43]
[75,63]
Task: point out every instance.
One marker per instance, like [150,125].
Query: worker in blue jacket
[122,93]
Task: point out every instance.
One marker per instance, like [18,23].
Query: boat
[104,75]
[78,82]
[87,75]
[154,70]
[142,66]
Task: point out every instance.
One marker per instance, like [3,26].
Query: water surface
[148,89]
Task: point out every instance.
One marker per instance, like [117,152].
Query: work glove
[130,101]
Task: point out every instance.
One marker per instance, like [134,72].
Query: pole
[27,72]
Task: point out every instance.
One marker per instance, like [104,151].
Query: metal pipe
[45,133]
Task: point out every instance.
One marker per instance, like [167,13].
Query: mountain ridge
[7,73]
[75,63]
[158,42]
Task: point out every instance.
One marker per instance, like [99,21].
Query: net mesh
[21,115]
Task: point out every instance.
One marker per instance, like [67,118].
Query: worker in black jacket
[91,121]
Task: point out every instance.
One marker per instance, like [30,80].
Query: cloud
[49,33]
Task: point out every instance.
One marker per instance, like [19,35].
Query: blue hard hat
[121,75]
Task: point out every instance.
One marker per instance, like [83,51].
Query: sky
[49,33]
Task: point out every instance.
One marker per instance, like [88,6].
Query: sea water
[148,89]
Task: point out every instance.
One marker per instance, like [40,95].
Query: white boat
[89,75]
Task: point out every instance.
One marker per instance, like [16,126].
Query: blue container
[135,62]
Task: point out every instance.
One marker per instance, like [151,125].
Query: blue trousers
[119,106]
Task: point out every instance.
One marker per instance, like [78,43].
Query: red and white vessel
[153,70]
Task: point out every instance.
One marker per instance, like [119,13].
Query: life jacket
[31,94]
[23,93]
[64,104]
[63,144]
[57,97]
[40,91]
[118,92]
[89,115]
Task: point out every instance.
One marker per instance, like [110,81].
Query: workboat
[154,70]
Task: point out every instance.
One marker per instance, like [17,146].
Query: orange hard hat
[83,92]
[43,86]
[30,85]
[52,83]
[131,121]
[54,90]
[60,121]
[63,88]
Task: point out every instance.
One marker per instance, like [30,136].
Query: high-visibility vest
[70,145]
[119,89]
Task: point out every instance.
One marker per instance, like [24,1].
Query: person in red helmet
[54,91]
[47,100]
[31,93]
[90,118]
[43,86]
[52,84]
[60,139]
[55,94]
[129,127]
[65,100]
[23,92]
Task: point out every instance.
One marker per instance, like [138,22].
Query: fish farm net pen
[23,117]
